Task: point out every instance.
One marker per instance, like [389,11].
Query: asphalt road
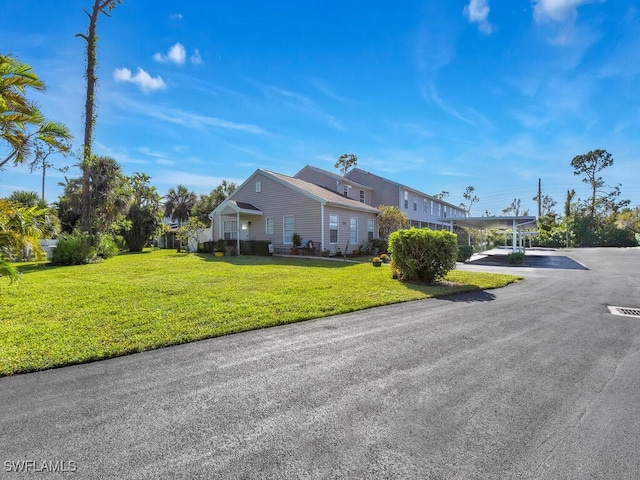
[536,381]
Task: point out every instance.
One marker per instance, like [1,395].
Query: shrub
[422,254]
[464,252]
[254,247]
[380,243]
[74,249]
[8,271]
[516,258]
[206,247]
[106,246]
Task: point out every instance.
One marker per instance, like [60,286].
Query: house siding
[344,232]
[386,192]
[382,191]
[334,183]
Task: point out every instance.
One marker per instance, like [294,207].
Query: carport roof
[501,223]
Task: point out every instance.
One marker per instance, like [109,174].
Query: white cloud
[176,54]
[164,161]
[478,12]
[196,58]
[142,79]
[557,10]
[432,95]
[180,117]
[176,16]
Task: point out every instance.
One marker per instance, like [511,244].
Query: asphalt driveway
[536,380]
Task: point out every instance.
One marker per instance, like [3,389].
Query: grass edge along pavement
[58,316]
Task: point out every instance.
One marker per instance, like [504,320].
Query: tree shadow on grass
[38,267]
[260,260]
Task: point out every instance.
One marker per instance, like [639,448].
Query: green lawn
[56,316]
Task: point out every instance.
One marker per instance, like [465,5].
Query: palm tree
[178,206]
[179,203]
[21,122]
[109,192]
[20,230]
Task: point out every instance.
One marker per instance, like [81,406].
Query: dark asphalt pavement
[536,381]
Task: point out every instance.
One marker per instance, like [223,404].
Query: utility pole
[539,198]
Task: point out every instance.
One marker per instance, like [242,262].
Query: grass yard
[55,316]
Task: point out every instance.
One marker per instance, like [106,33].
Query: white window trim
[266,226]
[351,231]
[284,230]
[337,229]
[233,232]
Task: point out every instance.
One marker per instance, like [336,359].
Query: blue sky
[433,94]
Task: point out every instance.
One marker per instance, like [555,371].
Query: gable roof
[316,192]
[333,176]
[321,194]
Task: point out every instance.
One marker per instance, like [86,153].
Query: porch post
[321,227]
[513,243]
[238,228]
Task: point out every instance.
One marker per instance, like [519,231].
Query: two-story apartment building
[423,210]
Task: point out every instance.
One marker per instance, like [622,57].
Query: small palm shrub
[106,246]
[422,254]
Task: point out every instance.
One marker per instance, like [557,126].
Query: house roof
[319,193]
[246,206]
[229,206]
[334,176]
[499,223]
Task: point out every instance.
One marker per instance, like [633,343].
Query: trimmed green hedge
[464,252]
[247,247]
[422,254]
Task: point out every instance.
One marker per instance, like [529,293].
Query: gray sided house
[422,210]
[271,206]
[332,181]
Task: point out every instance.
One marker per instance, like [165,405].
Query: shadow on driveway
[472,297]
[533,261]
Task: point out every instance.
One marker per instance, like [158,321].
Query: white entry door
[244,230]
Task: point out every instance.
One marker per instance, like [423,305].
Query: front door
[244,230]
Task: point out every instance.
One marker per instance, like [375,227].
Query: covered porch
[233,221]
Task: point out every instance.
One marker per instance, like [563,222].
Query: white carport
[524,225]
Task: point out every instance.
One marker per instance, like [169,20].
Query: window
[362,196]
[269,226]
[424,206]
[345,191]
[431,207]
[370,224]
[353,232]
[406,200]
[445,212]
[333,228]
[415,203]
[439,210]
[258,187]
[289,226]
[230,229]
